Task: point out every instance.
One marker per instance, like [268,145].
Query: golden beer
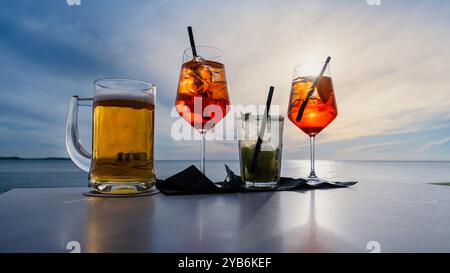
[122,144]
[123,115]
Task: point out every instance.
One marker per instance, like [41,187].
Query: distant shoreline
[39,158]
[339,160]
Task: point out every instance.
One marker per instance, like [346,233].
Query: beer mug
[122,136]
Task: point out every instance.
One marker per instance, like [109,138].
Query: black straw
[191,39]
[263,128]
[311,91]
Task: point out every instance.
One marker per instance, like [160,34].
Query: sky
[390,69]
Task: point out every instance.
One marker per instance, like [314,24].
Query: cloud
[432,144]
[367,147]
[388,77]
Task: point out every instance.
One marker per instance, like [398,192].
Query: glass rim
[100,83]
[188,51]
[309,63]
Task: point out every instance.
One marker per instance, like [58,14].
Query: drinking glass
[202,95]
[312,110]
[263,169]
[122,160]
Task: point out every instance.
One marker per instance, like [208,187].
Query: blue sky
[390,68]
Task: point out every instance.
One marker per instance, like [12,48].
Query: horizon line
[303,159]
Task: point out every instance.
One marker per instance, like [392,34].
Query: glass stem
[312,139]
[202,160]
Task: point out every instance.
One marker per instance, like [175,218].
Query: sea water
[63,173]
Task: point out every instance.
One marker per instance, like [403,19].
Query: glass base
[314,181]
[260,185]
[122,187]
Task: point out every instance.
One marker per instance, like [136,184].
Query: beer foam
[120,95]
[123,89]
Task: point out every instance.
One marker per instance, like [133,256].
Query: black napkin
[193,181]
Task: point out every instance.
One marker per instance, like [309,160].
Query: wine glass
[312,104]
[202,96]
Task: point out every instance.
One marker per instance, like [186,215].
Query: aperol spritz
[312,104]
[321,107]
[202,96]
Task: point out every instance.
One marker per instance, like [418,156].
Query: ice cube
[204,73]
[198,59]
[191,86]
[268,147]
[218,76]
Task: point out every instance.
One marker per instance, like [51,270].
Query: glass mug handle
[79,155]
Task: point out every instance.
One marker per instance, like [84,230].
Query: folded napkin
[193,181]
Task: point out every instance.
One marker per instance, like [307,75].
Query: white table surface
[396,216]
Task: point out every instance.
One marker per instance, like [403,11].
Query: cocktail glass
[312,110]
[202,96]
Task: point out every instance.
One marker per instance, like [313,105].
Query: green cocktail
[266,168]
[265,171]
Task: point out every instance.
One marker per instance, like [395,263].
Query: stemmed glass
[202,96]
[312,104]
